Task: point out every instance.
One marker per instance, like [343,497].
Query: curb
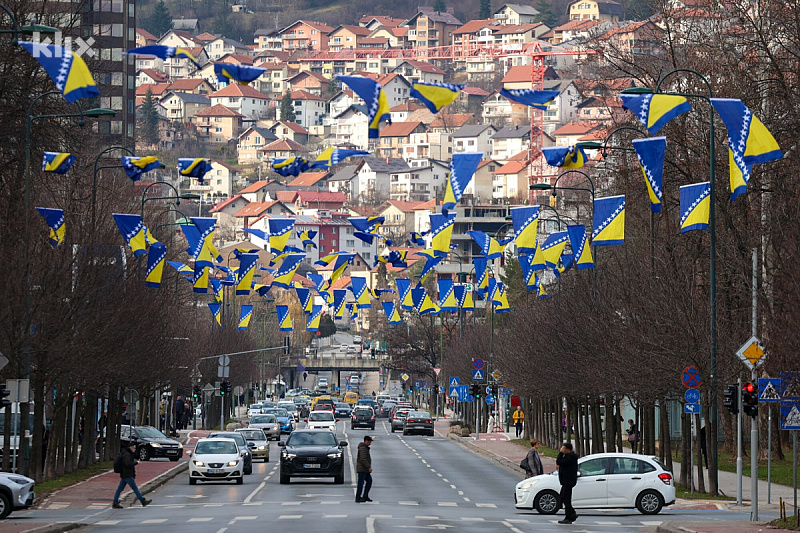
[502,461]
[56,528]
[156,482]
[688,527]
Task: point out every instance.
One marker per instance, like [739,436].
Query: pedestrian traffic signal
[4,401]
[475,390]
[731,401]
[197,391]
[224,388]
[372,353]
[750,399]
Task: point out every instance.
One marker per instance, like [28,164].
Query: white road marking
[291,503]
[599,523]
[407,503]
[460,493]
[222,530]
[201,519]
[517,521]
[380,516]
[507,523]
[353,476]
[261,486]
[466,499]
[329,503]
[447,504]
[212,505]
[370,524]
[154,521]
[652,522]
[423,517]
[493,506]
[445,480]
[453,487]
[334,516]
[469,519]
[289,516]
[107,522]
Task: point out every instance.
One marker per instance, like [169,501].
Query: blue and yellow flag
[392,314]
[481,275]
[376,293]
[565,156]
[417,238]
[528,274]
[537,261]
[462,168]
[55,221]
[58,162]
[318,281]
[367,228]
[695,206]
[204,250]
[156,256]
[216,287]
[228,72]
[580,246]
[442,232]
[655,110]
[540,289]
[136,166]
[290,166]
[200,279]
[430,264]
[284,318]
[491,248]
[338,303]
[314,318]
[435,96]
[244,316]
[567,262]
[67,70]
[396,258]
[133,231]
[500,299]
[307,238]
[360,292]
[651,158]
[163,52]
[464,297]
[283,276]
[423,303]
[526,223]
[194,168]
[340,262]
[306,301]
[553,246]
[215,311]
[374,98]
[749,141]
[334,156]
[404,293]
[280,229]
[530,97]
[187,271]
[447,296]
[230,276]
[244,278]
[353,311]
[609,221]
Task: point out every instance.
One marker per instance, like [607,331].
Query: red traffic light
[749,388]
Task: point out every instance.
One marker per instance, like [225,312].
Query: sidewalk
[97,493]
[498,448]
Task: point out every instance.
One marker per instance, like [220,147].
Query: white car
[321,420]
[216,459]
[254,409]
[605,481]
[16,492]
[357,339]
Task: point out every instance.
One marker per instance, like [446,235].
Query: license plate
[312,466]
[215,471]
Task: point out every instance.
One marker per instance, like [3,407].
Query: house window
[350,243]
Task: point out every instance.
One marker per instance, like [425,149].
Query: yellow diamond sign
[751,353]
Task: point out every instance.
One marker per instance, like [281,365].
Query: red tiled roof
[186,84]
[218,110]
[512,167]
[399,31]
[255,187]
[516,28]
[157,89]
[156,75]
[282,145]
[322,196]
[373,40]
[474,91]
[455,120]
[305,95]
[386,22]
[297,128]
[146,34]
[405,207]
[424,66]
[430,204]
[308,179]
[254,209]
[474,26]
[239,59]
[205,36]
[356,30]
[406,106]
[225,203]
[238,90]
[575,128]
[399,129]
[287,197]
[517,74]
[577,25]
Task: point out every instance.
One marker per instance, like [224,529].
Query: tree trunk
[610,425]
[37,450]
[711,439]
[7,421]
[686,452]
[618,423]
[701,483]
[597,423]
[665,452]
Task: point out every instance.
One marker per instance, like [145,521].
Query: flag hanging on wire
[695,206]
[580,246]
[565,156]
[654,111]
[392,314]
[609,221]
[163,52]
[404,293]
[553,246]
[360,292]
[156,256]
[447,296]
[462,168]
[56,222]
[374,98]
[434,95]
[228,72]
[338,303]
[442,232]
[530,97]
[284,318]
[136,166]
[481,275]
[314,318]
[247,268]
[334,156]
[244,316]
[650,153]
[526,222]
[58,162]
[194,168]
[215,311]
[66,68]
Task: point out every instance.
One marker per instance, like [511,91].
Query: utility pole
[754,419]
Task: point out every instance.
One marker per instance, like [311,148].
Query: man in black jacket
[567,462]
[126,464]
[364,470]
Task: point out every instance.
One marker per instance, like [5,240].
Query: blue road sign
[441,389]
[790,386]
[692,396]
[691,377]
[463,393]
[790,415]
[691,408]
[454,382]
[490,400]
[417,385]
[507,391]
[453,392]
[477,364]
[337,389]
[477,375]
[769,390]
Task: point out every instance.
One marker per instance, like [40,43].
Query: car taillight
[666,478]
[372,418]
[428,421]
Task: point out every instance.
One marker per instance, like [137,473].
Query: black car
[386,409]
[363,417]
[242,443]
[312,453]
[150,443]
[342,410]
[418,422]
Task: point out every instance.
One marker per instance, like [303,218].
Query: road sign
[692,396]
[223,371]
[20,390]
[469,287]
[454,392]
[417,385]
[769,390]
[751,353]
[224,360]
[477,375]
[790,385]
[347,378]
[238,390]
[209,388]
[490,400]
[454,382]
[436,370]
[463,393]
[691,408]
[496,374]
[477,364]
[790,415]
[691,377]
[405,377]
[3,360]
[441,389]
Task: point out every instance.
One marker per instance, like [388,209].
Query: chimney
[387,159]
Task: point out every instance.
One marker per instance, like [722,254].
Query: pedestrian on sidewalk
[567,462]
[535,467]
[633,435]
[364,470]
[519,418]
[125,465]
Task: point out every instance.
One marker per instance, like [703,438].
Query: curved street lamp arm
[606,147]
[580,172]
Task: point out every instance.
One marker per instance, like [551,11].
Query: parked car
[16,492]
[418,422]
[150,443]
[312,453]
[268,424]
[605,481]
[363,416]
[241,442]
[216,460]
[257,443]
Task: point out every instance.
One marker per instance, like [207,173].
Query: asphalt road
[420,483]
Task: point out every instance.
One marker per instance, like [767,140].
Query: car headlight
[20,480]
[180,446]
[262,448]
[199,463]
[527,484]
[290,455]
[155,445]
[335,455]
[233,463]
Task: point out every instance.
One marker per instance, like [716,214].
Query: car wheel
[546,502]
[405,432]
[248,471]
[338,480]
[392,429]
[372,427]
[431,433]
[284,479]
[143,453]
[173,459]
[5,505]
[240,480]
[649,502]
[192,481]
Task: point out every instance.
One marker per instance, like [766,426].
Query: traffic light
[224,388]
[197,391]
[475,390]
[731,401]
[750,399]
[4,401]
[372,353]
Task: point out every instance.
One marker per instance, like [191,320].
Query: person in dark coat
[567,462]
[127,476]
[535,467]
[364,470]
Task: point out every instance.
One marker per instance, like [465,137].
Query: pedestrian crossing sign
[477,374]
[769,390]
[454,382]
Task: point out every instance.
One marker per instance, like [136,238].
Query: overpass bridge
[340,362]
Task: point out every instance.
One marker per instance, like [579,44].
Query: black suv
[150,443]
[363,416]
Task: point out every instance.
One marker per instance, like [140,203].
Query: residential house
[372,184]
[242,99]
[346,37]
[192,85]
[372,22]
[402,112]
[394,85]
[218,124]
[509,141]
[393,137]
[308,81]
[306,201]
[224,212]
[399,219]
[306,36]
[309,108]
[605,10]
[511,14]
[446,122]
[511,181]
[564,107]
[340,102]
[290,130]
[247,215]
[222,46]
[217,183]
[469,100]
[496,109]
[474,35]
[420,183]
[181,107]
[280,148]
[475,138]
[515,37]
[480,188]
[637,39]
[428,145]
[311,179]
[575,29]
[149,76]
[569,134]
[393,37]
[341,181]
[187,25]
[599,109]
[266,39]
[419,71]
[250,140]
[352,127]
[429,28]
[272,82]
[179,39]
[604,88]
[375,43]
[259,191]
[145,38]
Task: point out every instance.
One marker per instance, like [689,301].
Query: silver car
[16,492]
[268,424]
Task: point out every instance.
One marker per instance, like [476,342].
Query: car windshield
[342,405]
[321,417]
[150,433]
[363,411]
[212,447]
[402,414]
[277,412]
[263,419]
[252,434]
[418,414]
[321,438]
[235,436]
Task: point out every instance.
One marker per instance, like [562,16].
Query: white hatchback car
[216,459]
[321,420]
[605,480]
